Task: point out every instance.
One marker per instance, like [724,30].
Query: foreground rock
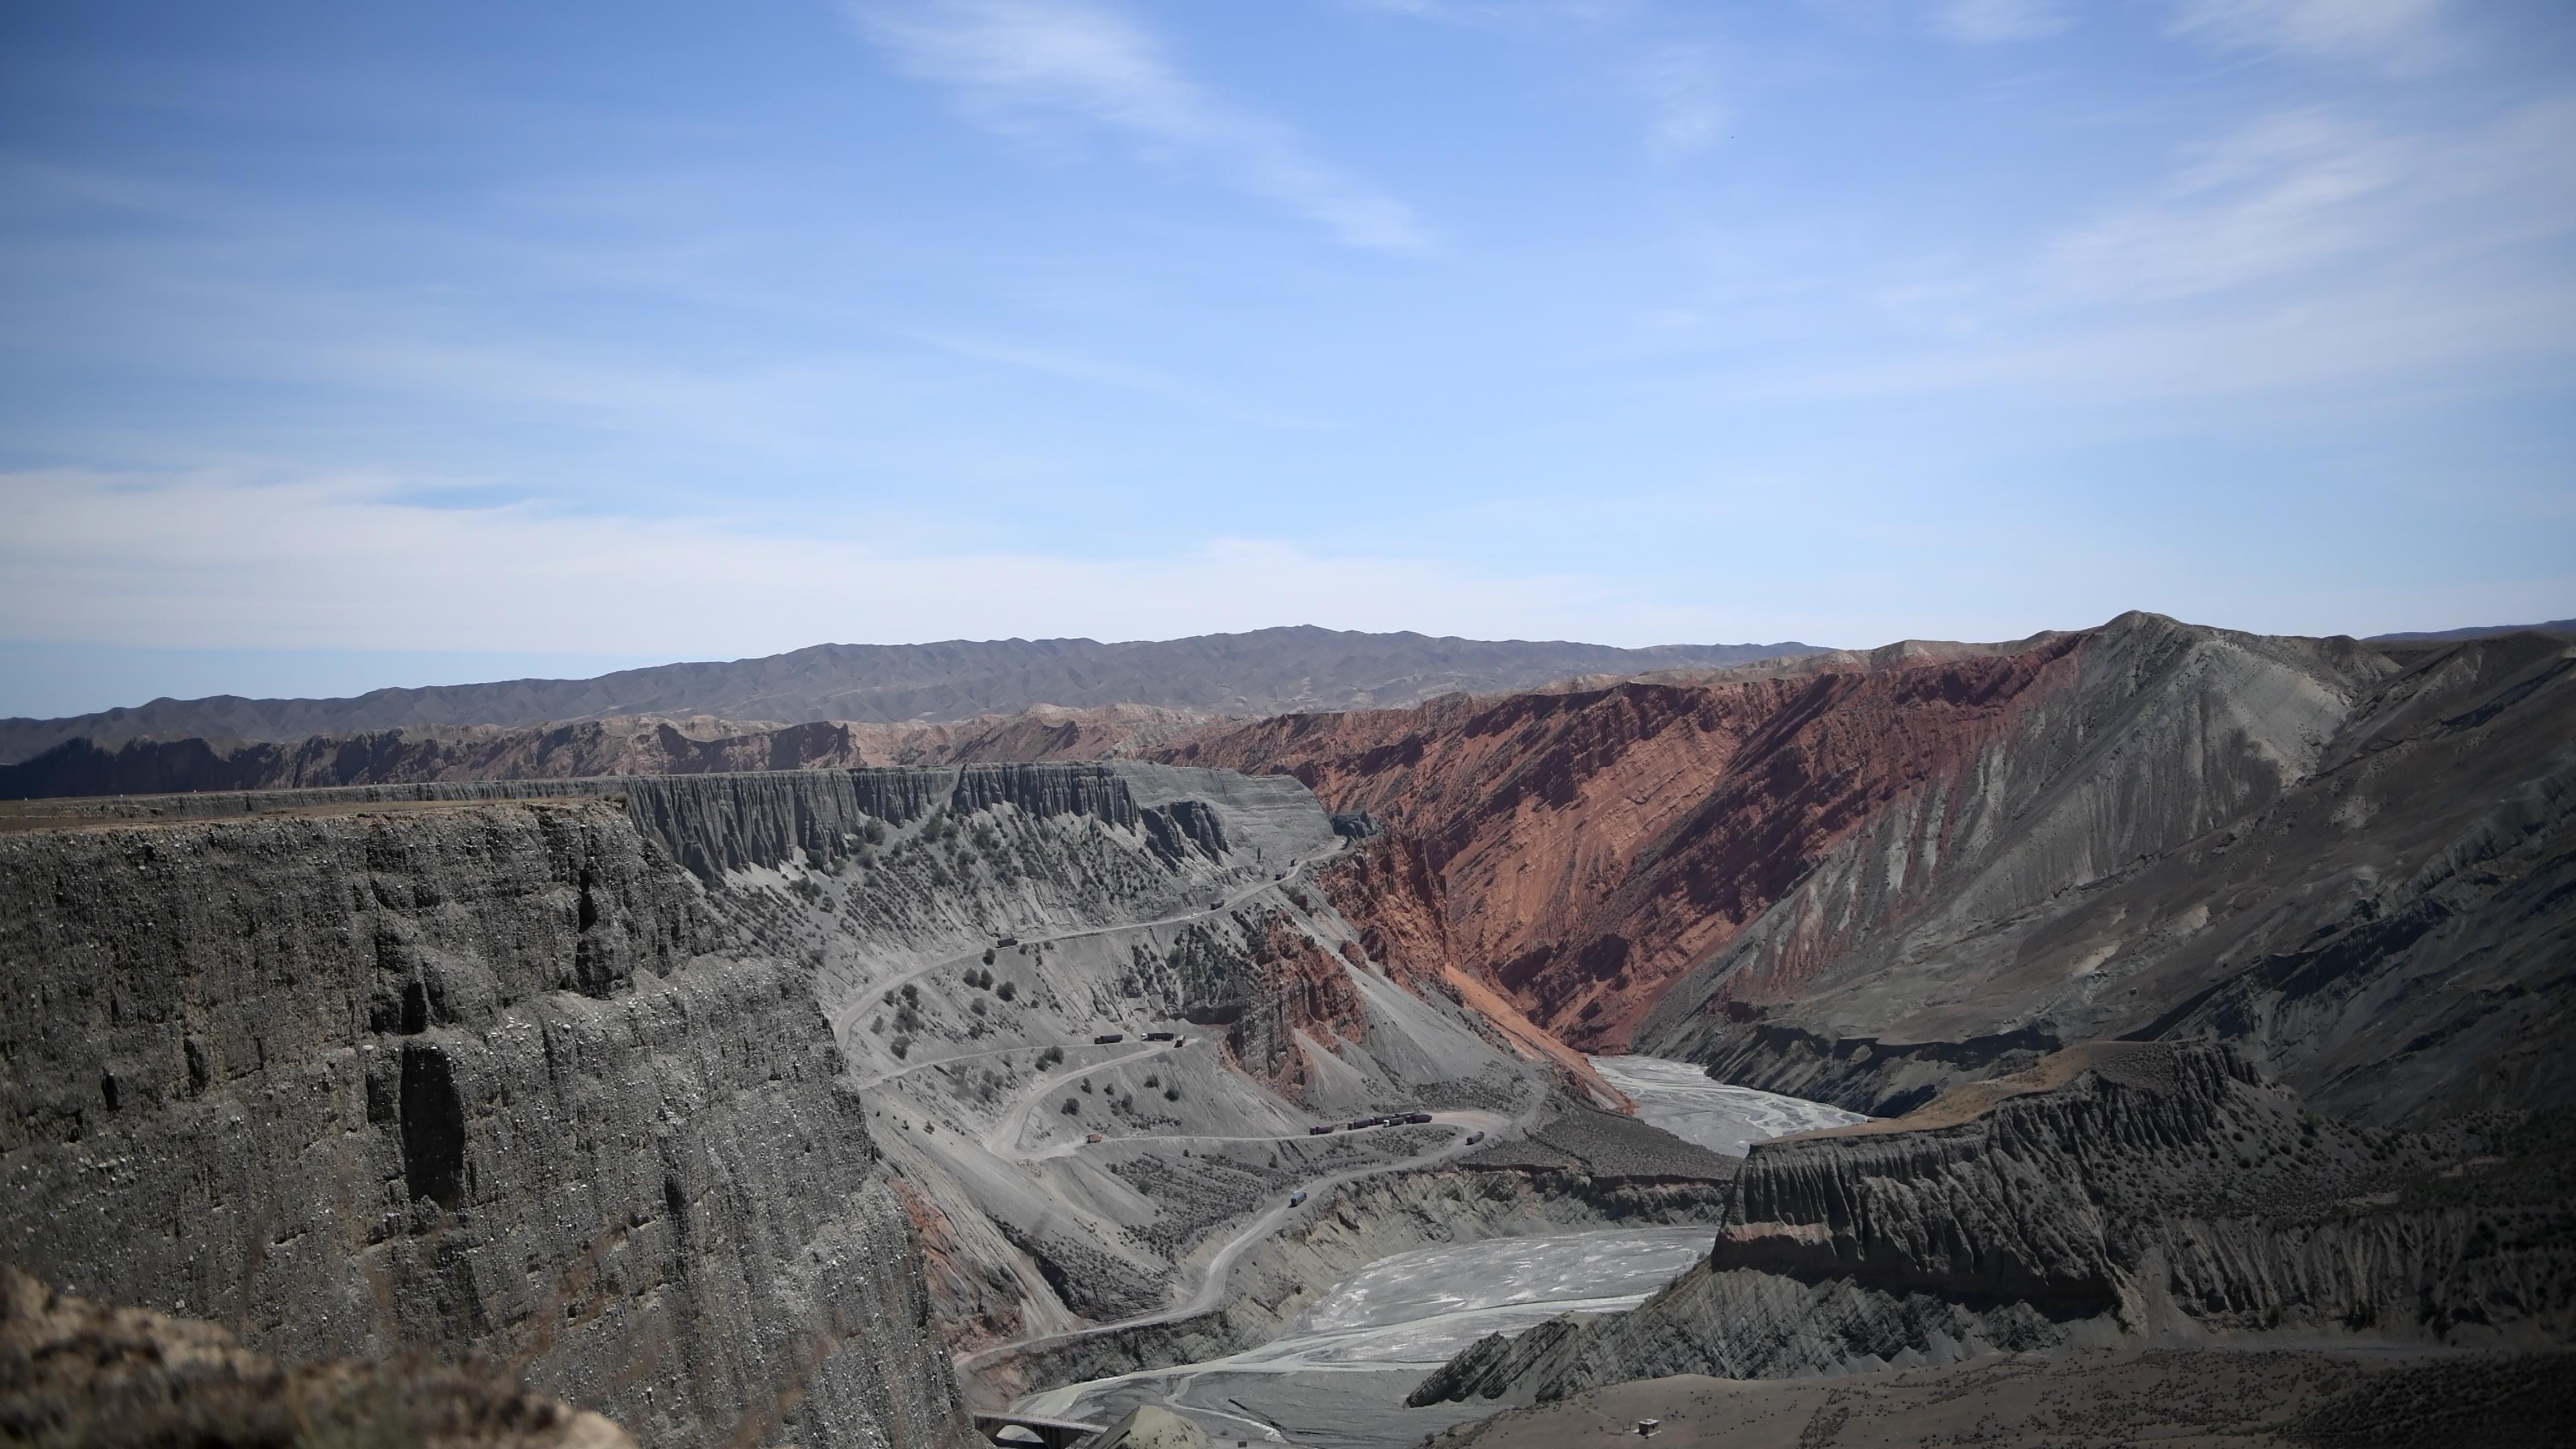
[2110,1195]
[77,1372]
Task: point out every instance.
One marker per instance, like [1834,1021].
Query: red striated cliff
[1584,849]
[1863,884]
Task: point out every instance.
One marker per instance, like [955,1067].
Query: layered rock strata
[464,1075]
[1864,882]
[2111,1192]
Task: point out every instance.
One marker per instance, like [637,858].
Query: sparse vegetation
[1008,991]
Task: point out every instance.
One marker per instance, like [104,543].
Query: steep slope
[1584,849]
[2363,867]
[2113,1193]
[463,1075]
[1863,884]
[1256,673]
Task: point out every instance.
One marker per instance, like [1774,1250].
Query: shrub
[1172,1093]
[1050,1056]
[1008,990]
[1071,1106]
[901,1047]
[988,958]
[976,1006]
[912,992]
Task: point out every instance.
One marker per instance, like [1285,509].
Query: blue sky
[352,345]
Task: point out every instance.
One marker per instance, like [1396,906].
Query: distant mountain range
[1267,671]
[2481,631]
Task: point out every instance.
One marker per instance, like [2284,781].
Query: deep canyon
[1794,1042]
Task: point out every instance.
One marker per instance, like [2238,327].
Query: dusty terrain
[1863,884]
[2205,994]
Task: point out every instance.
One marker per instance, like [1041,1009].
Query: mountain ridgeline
[1865,885]
[1258,673]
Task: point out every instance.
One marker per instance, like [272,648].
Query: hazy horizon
[356,346]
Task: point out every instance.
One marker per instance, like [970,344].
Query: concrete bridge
[1053,1433]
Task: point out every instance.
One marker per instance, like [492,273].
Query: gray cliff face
[466,1076]
[2270,841]
[2114,1191]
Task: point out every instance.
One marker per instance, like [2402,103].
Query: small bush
[901,1047]
[976,1006]
[1172,1093]
[1071,1106]
[1008,990]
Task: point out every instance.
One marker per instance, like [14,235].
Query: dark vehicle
[1319,1131]
[1475,1137]
[1109,1038]
[1096,1137]
[1158,1036]
[1358,1123]
[1283,875]
[1001,941]
[1180,1041]
[1417,1117]
[1296,1198]
[1216,905]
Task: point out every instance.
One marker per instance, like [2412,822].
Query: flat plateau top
[24,816]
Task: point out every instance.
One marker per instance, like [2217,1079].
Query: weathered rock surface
[480,1076]
[641,745]
[2110,1193]
[77,1372]
[1862,883]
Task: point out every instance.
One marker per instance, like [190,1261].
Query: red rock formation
[1583,849]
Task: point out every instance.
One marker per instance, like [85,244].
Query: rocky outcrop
[1585,849]
[1867,881]
[77,1372]
[473,1075]
[2109,1192]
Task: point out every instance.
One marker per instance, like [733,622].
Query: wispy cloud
[2279,196]
[2389,29]
[1017,62]
[1991,22]
[1686,107]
